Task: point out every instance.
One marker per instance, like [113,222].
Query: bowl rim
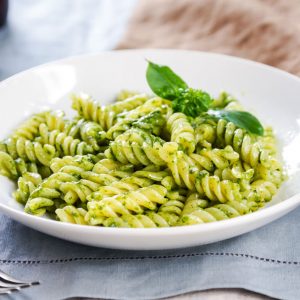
[74,58]
[263,213]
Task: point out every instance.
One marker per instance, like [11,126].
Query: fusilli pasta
[137,163]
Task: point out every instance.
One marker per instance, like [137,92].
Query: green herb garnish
[242,119]
[194,102]
[164,82]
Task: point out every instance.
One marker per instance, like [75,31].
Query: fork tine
[12,285]
[4,291]
[6,278]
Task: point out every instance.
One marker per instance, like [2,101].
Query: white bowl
[271,94]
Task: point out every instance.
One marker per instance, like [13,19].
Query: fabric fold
[267,31]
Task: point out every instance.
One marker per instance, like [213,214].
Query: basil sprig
[242,119]
[194,102]
[164,82]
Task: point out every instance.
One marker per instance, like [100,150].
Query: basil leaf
[192,102]
[241,119]
[163,81]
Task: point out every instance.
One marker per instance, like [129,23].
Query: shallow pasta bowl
[269,93]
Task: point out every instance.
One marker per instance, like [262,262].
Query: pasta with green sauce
[142,162]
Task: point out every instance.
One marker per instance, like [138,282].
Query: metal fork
[9,284]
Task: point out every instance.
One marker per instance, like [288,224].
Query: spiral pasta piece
[136,147]
[268,141]
[71,214]
[196,212]
[64,144]
[193,202]
[177,194]
[235,172]
[93,134]
[152,172]
[90,181]
[251,151]
[227,102]
[88,131]
[167,215]
[182,167]
[86,162]
[14,168]
[215,189]
[171,211]
[30,128]
[182,132]
[138,179]
[205,132]
[26,185]
[76,127]
[273,174]
[55,120]
[118,129]
[28,150]
[110,166]
[43,197]
[150,105]
[210,159]
[134,201]
[38,206]
[151,116]
[169,183]
[125,185]
[261,191]
[78,190]
[147,220]
[104,115]
[186,174]
[137,201]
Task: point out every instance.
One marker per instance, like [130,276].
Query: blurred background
[41,31]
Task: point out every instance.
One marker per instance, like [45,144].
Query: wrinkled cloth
[267,31]
[266,260]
